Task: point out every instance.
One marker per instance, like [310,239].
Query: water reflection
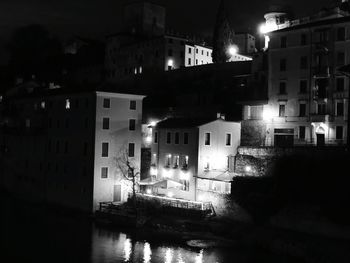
[147,253]
[169,255]
[127,249]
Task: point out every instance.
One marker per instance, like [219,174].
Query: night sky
[97,18]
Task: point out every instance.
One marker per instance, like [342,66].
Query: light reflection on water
[122,248]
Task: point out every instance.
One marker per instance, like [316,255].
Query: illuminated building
[143,46]
[64,144]
[307,95]
[194,155]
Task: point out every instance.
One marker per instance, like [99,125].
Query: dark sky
[96,18]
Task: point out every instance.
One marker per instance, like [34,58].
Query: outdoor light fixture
[170,63]
[149,191]
[267,114]
[268,27]
[184,176]
[233,50]
[153,171]
[248,168]
[170,194]
[149,139]
[167,173]
[152,123]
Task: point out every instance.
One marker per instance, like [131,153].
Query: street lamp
[233,50]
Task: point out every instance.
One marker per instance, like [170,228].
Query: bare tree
[129,170]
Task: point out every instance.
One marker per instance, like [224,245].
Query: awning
[217,175]
[168,183]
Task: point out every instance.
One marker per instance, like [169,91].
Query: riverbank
[300,246]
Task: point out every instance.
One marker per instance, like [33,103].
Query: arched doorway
[320,136]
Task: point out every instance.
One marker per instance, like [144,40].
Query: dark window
[282,110]
[131,149]
[228,139]
[170,40]
[168,137]
[189,50]
[85,150]
[170,52]
[341,34]
[303,86]
[340,84]
[177,138]
[321,109]
[106,103]
[303,39]
[132,124]
[67,123]
[189,61]
[196,50]
[303,62]
[340,108]
[186,138]
[104,172]
[66,147]
[283,87]
[133,105]
[155,137]
[339,133]
[283,64]
[105,123]
[49,123]
[283,42]
[105,146]
[57,147]
[302,109]
[340,58]
[207,138]
[301,132]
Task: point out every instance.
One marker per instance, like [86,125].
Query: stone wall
[253,133]
[224,206]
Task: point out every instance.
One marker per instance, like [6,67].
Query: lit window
[42,105]
[228,139]
[105,146]
[106,103]
[105,124]
[207,138]
[27,123]
[185,162]
[131,151]
[176,161]
[282,109]
[132,125]
[67,104]
[104,172]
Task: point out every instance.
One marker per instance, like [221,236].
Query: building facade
[191,153]
[62,148]
[308,96]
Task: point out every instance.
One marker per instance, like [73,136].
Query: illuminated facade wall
[179,159]
[307,97]
[62,135]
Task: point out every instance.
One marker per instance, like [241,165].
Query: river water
[30,233]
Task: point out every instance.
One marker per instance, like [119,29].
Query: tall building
[64,148]
[308,96]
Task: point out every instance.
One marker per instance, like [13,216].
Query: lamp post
[345,70]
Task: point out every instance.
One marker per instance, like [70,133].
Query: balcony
[321,72]
[321,118]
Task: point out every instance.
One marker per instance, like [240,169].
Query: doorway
[320,139]
[117,193]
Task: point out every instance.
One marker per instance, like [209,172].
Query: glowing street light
[232,50]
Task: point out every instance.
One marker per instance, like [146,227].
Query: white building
[71,142]
[190,153]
